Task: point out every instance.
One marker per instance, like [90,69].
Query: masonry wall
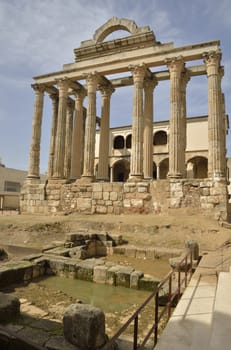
[208,197]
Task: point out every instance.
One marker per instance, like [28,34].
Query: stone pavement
[201,320]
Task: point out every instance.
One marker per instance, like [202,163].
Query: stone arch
[115,24]
[197,167]
[121,170]
[164,168]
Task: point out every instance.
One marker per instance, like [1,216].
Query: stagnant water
[106,297]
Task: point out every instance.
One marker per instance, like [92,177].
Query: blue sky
[38,37]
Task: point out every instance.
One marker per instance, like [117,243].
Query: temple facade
[81,179]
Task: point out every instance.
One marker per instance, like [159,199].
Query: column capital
[54,97]
[212,58]
[106,90]
[150,83]
[175,64]
[138,71]
[185,77]
[62,83]
[92,81]
[38,87]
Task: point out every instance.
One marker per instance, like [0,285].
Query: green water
[108,298]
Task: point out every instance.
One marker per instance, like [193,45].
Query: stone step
[190,324]
[221,325]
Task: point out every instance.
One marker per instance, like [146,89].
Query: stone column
[176,67]
[149,85]
[78,137]
[106,92]
[68,140]
[184,80]
[158,172]
[136,173]
[224,129]
[215,152]
[54,99]
[34,163]
[89,146]
[58,172]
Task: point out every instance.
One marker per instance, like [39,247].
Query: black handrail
[155,296]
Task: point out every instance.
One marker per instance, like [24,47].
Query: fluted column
[149,85]
[176,67]
[34,163]
[215,152]
[68,140]
[184,80]
[106,92]
[61,131]
[78,137]
[136,172]
[89,146]
[54,99]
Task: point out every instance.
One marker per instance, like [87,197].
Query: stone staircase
[202,318]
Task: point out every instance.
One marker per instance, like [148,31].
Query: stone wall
[203,196]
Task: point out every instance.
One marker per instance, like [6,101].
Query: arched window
[121,170]
[197,168]
[160,138]
[118,142]
[129,141]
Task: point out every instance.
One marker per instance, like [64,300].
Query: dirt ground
[168,231]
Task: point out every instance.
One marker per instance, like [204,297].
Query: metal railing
[185,265]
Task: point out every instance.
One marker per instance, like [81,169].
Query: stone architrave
[176,66]
[34,164]
[106,92]
[58,172]
[90,131]
[54,99]
[136,172]
[149,85]
[68,140]
[184,80]
[78,136]
[215,152]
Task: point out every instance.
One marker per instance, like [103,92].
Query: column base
[175,176]
[32,179]
[135,178]
[86,178]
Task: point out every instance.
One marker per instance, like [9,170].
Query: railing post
[169,296]
[135,334]
[179,284]
[186,271]
[156,317]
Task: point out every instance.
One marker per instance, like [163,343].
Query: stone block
[85,270]
[9,307]
[140,253]
[100,274]
[113,196]
[97,195]
[106,196]
[148,283]
[111,275]
[134,279]
[84,326]
[123,276]
[101,209]
[137,203]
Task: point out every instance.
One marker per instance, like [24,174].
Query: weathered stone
[134,279]
[148,283]
[123,276]
[9,307]
[84,326]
